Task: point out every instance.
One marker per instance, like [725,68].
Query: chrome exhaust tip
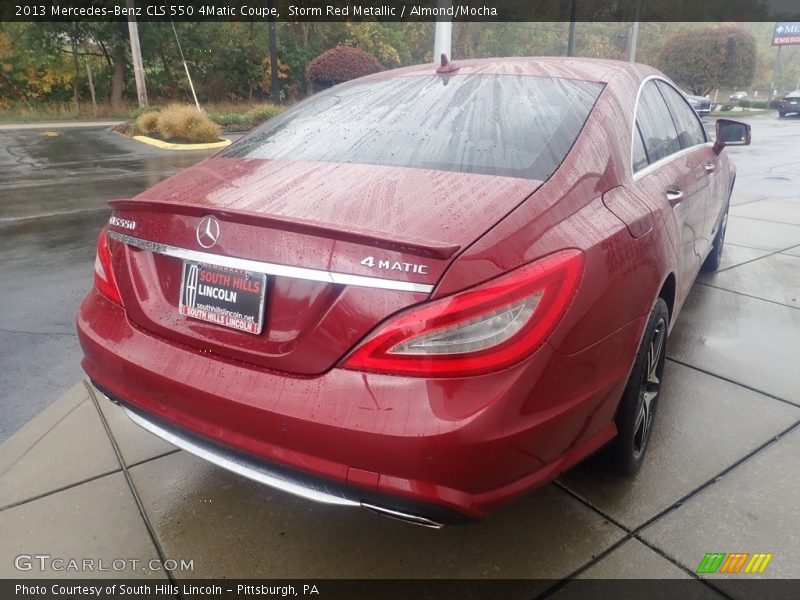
[401,516]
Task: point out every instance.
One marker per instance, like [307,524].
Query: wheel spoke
[650,387]
[649,396]
[721,240]
[640,430]
[654,355]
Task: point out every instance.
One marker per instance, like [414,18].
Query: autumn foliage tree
[46,63]
[339,64]
[703,59]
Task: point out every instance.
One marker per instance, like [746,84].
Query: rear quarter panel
[596,341]
[622,275]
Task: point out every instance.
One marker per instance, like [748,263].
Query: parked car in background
[700,104]
[789,104]
[738,96]
[424,292]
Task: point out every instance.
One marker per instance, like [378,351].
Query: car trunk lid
[344,246]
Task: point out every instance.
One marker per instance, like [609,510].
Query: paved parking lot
[721,475]
[54,187]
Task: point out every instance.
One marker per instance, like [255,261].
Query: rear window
[510,125]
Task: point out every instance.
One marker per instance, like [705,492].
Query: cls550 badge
[124,223]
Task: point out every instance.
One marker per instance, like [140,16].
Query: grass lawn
[741,114]
[34,113]
[230,116]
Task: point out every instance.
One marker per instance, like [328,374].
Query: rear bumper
[440,450]
[289,480]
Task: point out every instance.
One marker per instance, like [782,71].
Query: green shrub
[228,119]
[143,110]
[146,124]
[759,104]
[745,103]
[253,117]
[261,113]
[187,124]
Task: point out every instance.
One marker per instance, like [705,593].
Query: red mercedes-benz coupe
[424,292]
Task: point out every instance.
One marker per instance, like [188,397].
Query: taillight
[103,273]
[486,328]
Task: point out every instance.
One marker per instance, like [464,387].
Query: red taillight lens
[487,328]
[103,273]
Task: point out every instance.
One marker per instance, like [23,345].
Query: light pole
[633,39]
[443,33]
[573,7]
[136,51]
[776,81]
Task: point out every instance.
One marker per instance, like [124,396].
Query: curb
[171,146]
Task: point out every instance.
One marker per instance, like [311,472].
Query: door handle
[675,196]
[709,167]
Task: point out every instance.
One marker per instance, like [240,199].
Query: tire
[714,257]
[637,408]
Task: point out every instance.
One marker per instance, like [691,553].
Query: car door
[692,134]
[673,179]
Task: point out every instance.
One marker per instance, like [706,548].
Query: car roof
[588,69]
[793,94]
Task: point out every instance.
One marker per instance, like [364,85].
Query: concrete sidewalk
[81,481]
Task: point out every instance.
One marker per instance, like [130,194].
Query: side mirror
[731,133]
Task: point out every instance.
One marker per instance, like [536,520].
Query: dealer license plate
[227,297]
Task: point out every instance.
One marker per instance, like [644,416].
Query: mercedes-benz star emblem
[208,232]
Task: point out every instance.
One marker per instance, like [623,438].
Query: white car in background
[738,96]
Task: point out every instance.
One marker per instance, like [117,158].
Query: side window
[658,129]
[639,153]
[690,129]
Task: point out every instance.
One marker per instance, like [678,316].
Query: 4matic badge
[389,265]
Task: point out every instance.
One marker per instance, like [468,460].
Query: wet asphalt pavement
[54,186]
[53,194]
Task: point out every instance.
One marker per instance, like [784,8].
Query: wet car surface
[497,287]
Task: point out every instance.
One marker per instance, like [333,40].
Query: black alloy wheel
[637,409]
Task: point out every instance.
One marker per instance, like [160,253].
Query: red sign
[786,34]
[227,297]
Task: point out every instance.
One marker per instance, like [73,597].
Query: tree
[116,38]
[703,59]
[339,64]
[47,57]
[274,69]
[33,69]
